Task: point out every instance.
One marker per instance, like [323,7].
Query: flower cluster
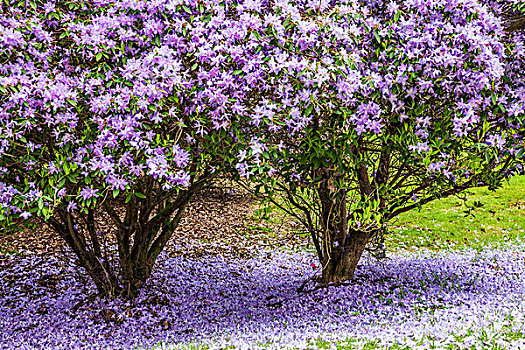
[93,92]
[94,96]
[392,100]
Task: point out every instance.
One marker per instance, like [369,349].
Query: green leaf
[72,178]
[98,56]
[61,182]
[140,195]
[376,35]
[72,102]
[308,110]
[115,193]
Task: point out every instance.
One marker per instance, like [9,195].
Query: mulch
[218,221]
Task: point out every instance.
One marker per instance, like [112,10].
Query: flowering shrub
[113,113]
[380,107]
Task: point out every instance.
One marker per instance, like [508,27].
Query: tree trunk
[342,246]
[97,269]
[342,261]
[141,235]
[105,281]
[137,275]
[150,238]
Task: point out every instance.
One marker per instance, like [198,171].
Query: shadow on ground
[255,301]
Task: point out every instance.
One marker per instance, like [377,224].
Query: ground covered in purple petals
[412,298]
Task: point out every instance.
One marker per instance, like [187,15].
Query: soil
[218,221]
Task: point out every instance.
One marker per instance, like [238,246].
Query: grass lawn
[485,217]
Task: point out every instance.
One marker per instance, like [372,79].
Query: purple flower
[180,156]
[72,206]
[26,215]
[87,193]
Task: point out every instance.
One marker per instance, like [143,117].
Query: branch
[452,191]
[515,25]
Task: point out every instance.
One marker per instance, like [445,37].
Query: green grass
[483,340]
[466,340]
[485,218]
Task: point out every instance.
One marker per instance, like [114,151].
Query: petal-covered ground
[412,298]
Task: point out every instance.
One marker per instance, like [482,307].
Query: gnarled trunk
[140,235]
[341,246]
[151,235]
[340,264]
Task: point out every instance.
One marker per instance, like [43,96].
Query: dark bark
[342,246]
[97,269]
[513,19]
[517,24]
[343,259]
[138,265]
[141,235]
[150,236]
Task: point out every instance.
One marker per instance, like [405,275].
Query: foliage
[386,107]
[113,113]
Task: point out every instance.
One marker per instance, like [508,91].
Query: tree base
[343,261]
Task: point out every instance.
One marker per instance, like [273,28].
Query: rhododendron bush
[113,113]
[387,106]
